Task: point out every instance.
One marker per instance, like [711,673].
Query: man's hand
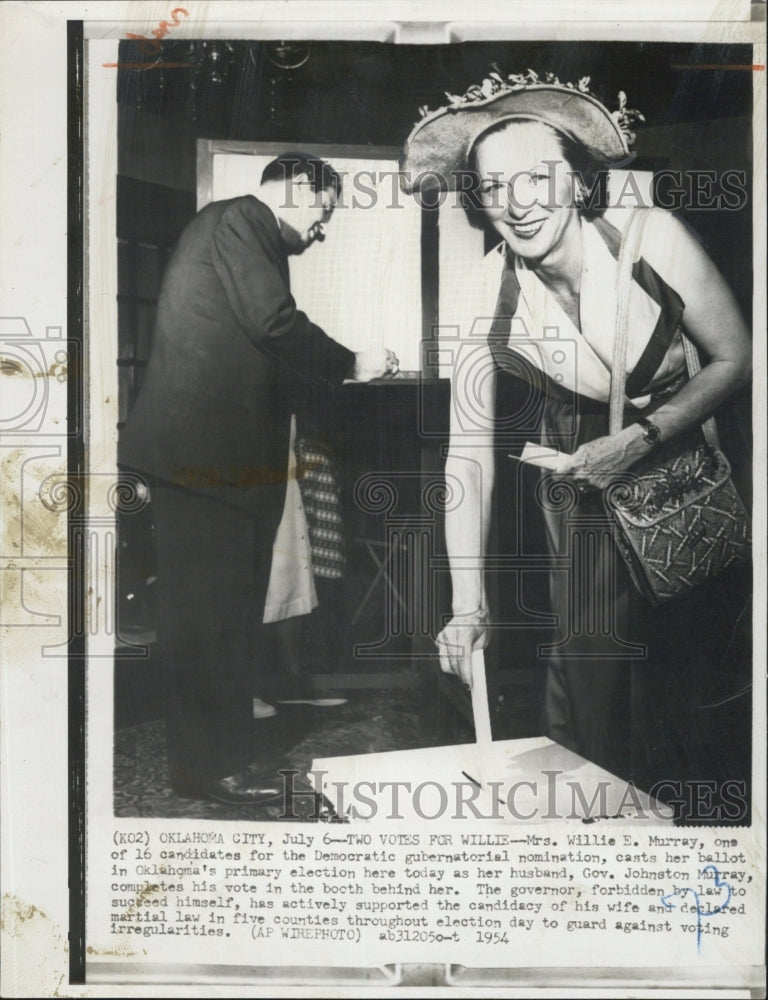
[374,364]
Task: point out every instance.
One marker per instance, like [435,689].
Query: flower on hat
[626,117]
[496,83]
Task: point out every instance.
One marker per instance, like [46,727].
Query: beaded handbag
[682,522]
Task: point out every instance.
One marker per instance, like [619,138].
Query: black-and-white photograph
[399,382]
[383,428]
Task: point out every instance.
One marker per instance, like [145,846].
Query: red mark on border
[152,46]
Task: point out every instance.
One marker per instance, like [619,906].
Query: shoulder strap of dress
[629,251]
[506,359]
[506,305]
[610,234]
[671,308]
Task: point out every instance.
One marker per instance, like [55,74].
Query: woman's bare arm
[714,323]
[469,473]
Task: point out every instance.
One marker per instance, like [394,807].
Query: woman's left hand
[595,463]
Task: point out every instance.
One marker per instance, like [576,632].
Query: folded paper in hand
[541,456]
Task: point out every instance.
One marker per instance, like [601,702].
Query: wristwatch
[651,433]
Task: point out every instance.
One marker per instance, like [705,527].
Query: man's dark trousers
[213,571]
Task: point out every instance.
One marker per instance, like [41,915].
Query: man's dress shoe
[263,710]
[246,789]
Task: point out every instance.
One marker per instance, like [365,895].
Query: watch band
[651,433]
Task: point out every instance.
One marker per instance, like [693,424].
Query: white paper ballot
[541,456]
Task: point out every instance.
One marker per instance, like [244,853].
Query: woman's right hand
[460,638]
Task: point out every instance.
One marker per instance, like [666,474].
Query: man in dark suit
[211,431]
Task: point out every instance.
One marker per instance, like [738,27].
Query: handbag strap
[628,253]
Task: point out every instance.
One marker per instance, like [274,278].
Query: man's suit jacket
[230,350]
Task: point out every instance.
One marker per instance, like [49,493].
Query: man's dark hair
[320,174]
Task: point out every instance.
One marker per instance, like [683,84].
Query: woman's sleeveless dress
[633,688]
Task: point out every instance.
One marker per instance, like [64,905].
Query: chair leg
[382,567]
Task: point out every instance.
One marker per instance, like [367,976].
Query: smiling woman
[621,690]
[530,203]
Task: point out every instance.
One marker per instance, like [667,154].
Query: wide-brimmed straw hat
[437,151]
